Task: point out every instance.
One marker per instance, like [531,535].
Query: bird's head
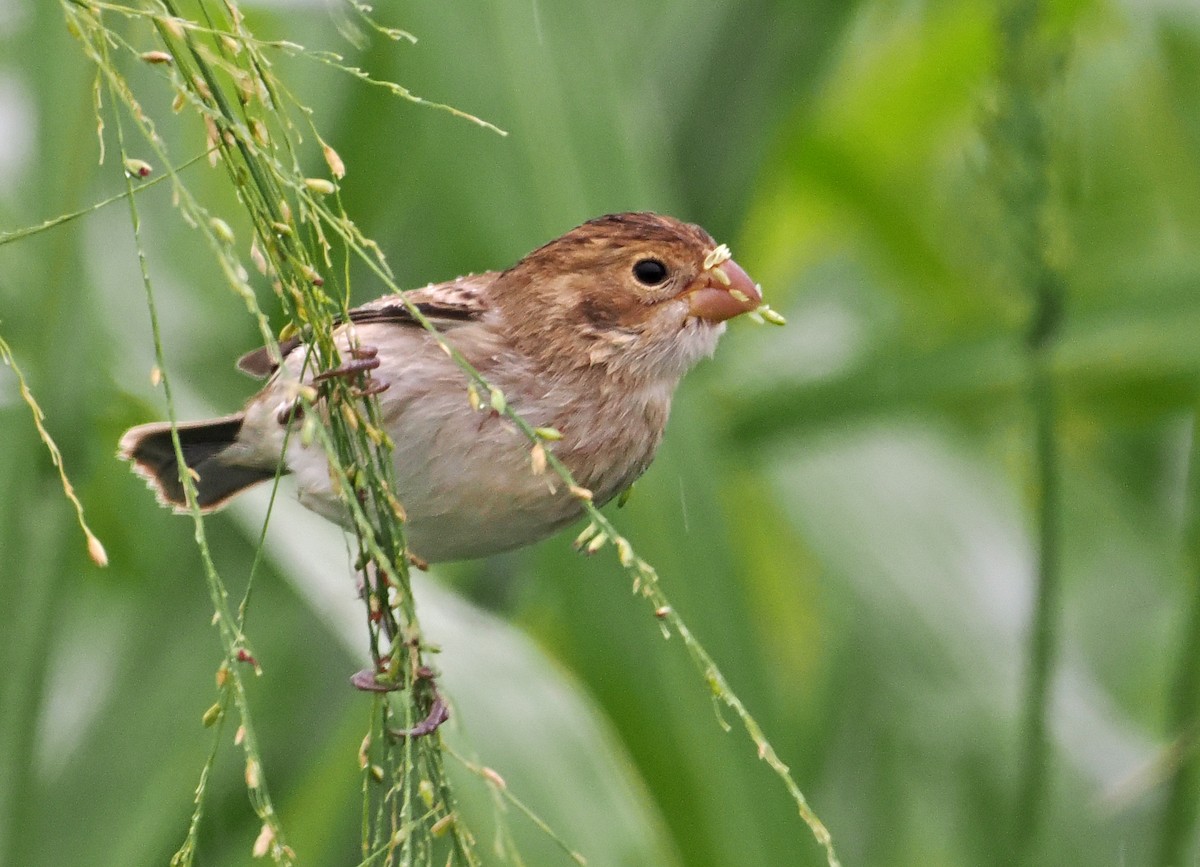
[638,294]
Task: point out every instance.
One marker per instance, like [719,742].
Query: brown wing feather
[454,302]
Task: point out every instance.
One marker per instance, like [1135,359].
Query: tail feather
[150,449]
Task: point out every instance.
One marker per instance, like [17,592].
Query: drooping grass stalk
[219,70]
[234,640]
[207,77]
[94,547]
[1176,835]
[1020,162]
[502,796]
[63,219]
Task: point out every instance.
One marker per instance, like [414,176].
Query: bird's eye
[649,272]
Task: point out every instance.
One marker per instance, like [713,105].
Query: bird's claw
[350,368]
[373,386]
[368,681]
[439,712]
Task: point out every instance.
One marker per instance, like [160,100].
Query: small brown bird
[589,334]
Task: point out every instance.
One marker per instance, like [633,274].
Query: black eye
[650,272]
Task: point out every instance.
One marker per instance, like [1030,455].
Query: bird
[588,335]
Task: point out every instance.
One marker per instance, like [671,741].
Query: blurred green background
[842,509]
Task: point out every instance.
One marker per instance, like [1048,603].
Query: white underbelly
[465,480]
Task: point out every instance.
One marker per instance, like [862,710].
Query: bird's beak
[722,292]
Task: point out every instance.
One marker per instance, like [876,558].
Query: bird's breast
[467,477]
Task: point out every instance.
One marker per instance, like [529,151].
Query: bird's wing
[446,305]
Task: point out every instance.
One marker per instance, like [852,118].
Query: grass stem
[1176,832]
[1020,161]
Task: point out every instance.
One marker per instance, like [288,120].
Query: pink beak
[715,299]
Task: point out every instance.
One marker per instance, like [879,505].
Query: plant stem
[1021,164]
[1183,721]
[1043,645]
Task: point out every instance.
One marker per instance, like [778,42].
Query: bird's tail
[151,451]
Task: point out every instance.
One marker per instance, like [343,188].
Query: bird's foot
[358,364]
[439,711]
